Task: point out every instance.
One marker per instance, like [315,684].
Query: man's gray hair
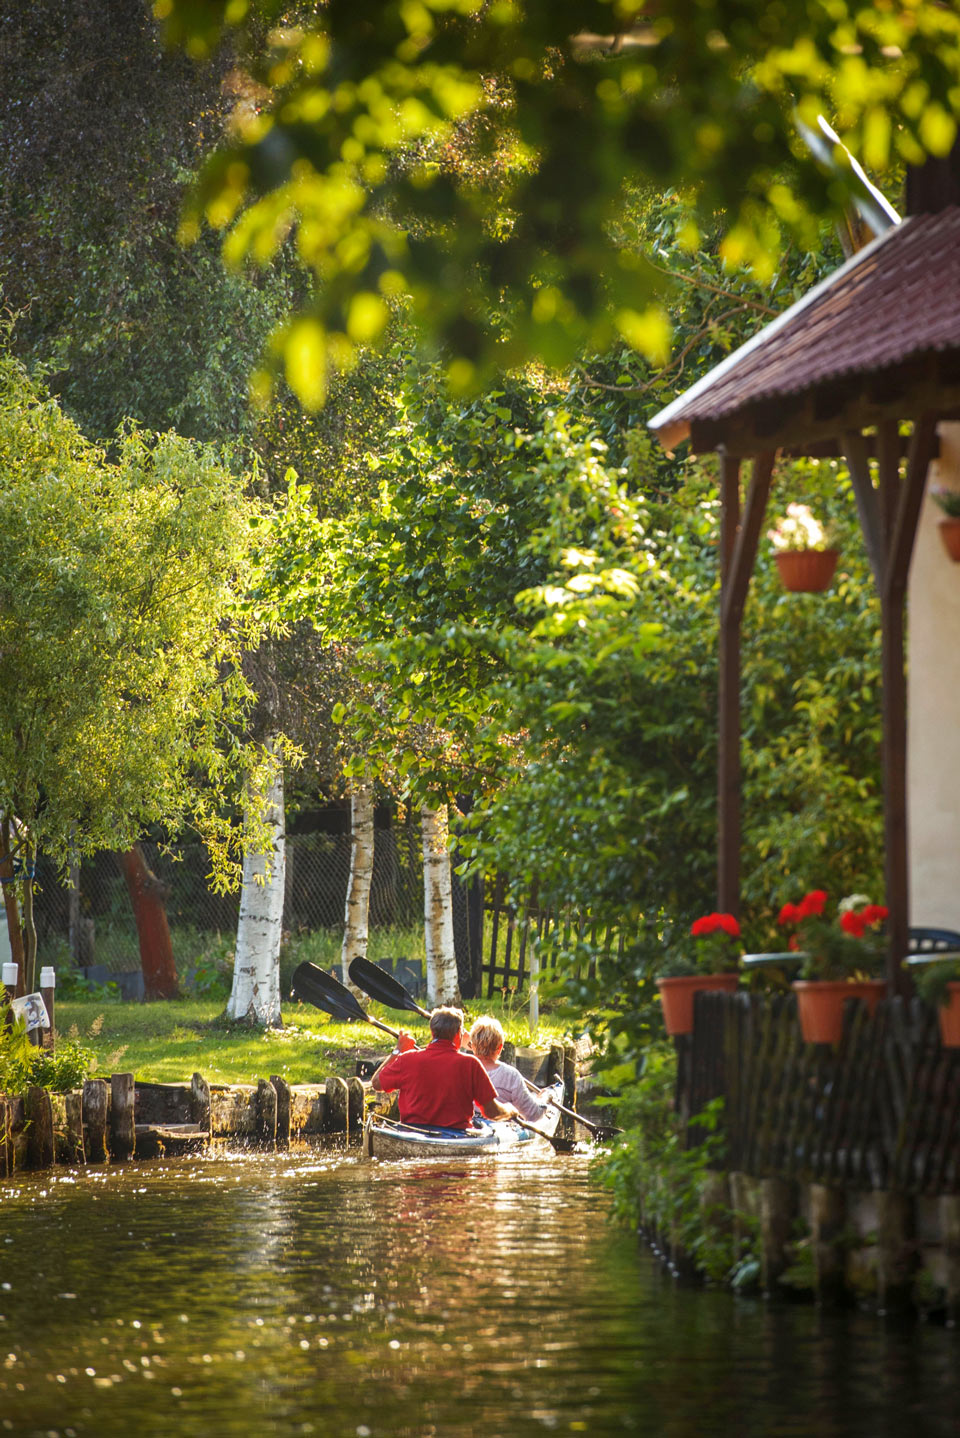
[446,1023]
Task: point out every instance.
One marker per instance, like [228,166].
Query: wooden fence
[879,1111]
[513,935]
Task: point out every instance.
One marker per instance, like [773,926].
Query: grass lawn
[167,1042]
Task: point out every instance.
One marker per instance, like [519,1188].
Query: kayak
[389,1139]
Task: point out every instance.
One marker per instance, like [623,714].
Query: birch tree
[356,920]
[255,995]
[443,984]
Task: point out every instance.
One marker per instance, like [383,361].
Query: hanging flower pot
[950,534]
[676,997]
[820,1005]
[807,571]
[938,982]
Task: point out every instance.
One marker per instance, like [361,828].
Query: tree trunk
[255,997]
[11,907]
[29,971]
[356,925]
[148,895]
[442,980]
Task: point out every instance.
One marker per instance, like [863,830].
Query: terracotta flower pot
[950,534]
[949,1014]
[807,571]
[820,1005]
[676,996]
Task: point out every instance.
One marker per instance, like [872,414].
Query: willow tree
[120,638]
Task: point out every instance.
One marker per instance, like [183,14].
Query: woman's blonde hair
[486,1037]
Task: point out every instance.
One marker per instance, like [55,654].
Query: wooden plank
[95,1120]
[39,1116]
[123,1138]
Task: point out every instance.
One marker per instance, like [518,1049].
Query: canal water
[318,1294]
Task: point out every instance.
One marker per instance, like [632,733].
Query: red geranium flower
[728,924]
[853,923]
[812,905]
[875,913]
[789,914]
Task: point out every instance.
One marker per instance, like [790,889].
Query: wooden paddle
[389,991]
[328,993]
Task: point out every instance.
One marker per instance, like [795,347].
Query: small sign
[32,1010]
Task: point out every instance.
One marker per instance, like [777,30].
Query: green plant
[799,529]
[714,948]
[947,499]
[933,980]
[23,1065]
[657,1181]
[72,984]
[848,946]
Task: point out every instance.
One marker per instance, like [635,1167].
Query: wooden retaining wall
[118,1119]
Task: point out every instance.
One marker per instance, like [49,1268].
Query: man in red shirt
[438,1086]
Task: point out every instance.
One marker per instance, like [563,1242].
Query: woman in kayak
[486,1040]
[438,1086]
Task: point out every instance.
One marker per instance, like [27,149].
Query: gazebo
[866,366]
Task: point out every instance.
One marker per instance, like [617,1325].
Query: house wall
[933,700]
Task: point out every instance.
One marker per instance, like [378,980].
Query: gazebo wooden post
[728,699]
[889,518]
[901,502]
[738,552]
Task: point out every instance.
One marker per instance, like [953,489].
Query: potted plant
[805,558]
[840,959]
[710,962]
[939,983]
[949,502]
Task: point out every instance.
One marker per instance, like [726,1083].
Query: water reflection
[317,1294]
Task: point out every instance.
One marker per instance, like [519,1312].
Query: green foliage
[932,980]
[23,1065]
[471,161]
[120,638]
[657,1181]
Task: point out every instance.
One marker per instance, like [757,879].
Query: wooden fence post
[354,1106]
[95,1120]
[338,1106]
[828,1212]
[73,1139]
[200,1103]
[39,1113]
[282,1089]
[777,1208]
[123,1134]
[266,1110]
[896,1250]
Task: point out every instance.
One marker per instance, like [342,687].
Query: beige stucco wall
[933,699]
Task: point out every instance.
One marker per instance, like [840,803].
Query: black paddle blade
[383,987]
[327,993]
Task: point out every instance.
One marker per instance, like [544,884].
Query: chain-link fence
[89,921]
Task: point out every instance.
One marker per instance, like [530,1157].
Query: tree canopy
[469,160]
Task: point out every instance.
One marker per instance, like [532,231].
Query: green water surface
[315,1293]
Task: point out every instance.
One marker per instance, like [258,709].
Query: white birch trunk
[443,986]
[356,919]
[255,996]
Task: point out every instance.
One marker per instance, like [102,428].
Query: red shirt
[438,1085]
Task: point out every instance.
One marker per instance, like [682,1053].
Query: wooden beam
[923,448]
[890,451]
[748,536]
[728,701]
[857,456]
[738,548]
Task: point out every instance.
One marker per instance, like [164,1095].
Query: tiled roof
[896,300]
